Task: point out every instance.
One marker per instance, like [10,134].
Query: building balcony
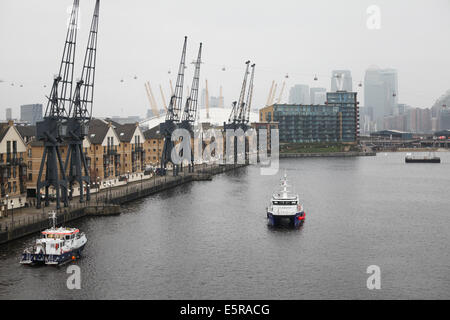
[13,159]
[111,151]
[138,148]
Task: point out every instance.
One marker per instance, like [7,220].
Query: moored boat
[426,159]
[56,246]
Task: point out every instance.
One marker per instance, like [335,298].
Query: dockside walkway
[25,221]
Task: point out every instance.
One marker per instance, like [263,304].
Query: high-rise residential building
[418,120]
[438,110]
[299,94]
[348,114]
[318,95]
[341,80]
[336,121]
[31,113]
[402,108]
[8,114]
[444,123]
[381,93]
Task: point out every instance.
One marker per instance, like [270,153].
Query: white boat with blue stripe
[56,246]
[285,206]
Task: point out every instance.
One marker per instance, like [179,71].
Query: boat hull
[432,160]
[51,259]
[294,220]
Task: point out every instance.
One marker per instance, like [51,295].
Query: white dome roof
[217,116]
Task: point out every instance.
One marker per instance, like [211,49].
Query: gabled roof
[4,127]
[126,131]
[97,131]
[27,131]
[153,133]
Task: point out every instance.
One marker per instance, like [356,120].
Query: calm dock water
[209,239]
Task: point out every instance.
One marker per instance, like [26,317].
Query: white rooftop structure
[217,116]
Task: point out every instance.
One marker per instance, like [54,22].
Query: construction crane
[173,116]
[207,100]
[51,130]
[80,114]
[151,99]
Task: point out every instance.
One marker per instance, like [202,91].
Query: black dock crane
[173,117]
[190,109]
[244,115]
[51,130]
[80,113]
[236,112]
[240,113]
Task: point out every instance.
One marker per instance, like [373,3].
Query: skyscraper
[381,93]
[318,95]
[8,114]
[299,94]
[341,80]
[445,119]
[31,113]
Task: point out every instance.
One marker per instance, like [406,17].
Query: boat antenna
[52,216]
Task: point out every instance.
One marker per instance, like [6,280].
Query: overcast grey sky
[299,38]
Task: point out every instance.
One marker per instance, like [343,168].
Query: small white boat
[56,246]
[431,158]
[285,206]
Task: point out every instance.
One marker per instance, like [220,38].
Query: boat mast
[52,215]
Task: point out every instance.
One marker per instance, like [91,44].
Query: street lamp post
[110,192]
[7,201]
[42,200]
[12,212]
[3,208]
[108,185]
[98,189]
[128,178]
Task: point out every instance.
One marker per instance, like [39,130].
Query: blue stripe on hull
[58,259]
[274,220]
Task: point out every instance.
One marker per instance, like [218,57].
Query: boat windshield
[53,236]
[285,203]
